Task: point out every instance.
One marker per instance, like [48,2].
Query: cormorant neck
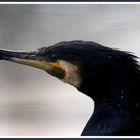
[108,93]
[106,108]
[118,100]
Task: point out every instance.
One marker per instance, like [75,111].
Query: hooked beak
[35,60]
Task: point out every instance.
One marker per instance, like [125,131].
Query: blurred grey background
[33,103]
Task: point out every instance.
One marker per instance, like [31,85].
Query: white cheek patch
[72,75]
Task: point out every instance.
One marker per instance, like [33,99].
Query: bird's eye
[53,55]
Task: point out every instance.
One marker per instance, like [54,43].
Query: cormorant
[111,77]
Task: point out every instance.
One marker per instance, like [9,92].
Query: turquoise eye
[53,56]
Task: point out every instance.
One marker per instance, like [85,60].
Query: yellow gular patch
[56,64]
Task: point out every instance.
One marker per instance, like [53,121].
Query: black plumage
[110,77]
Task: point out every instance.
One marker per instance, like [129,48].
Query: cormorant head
[88,66]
